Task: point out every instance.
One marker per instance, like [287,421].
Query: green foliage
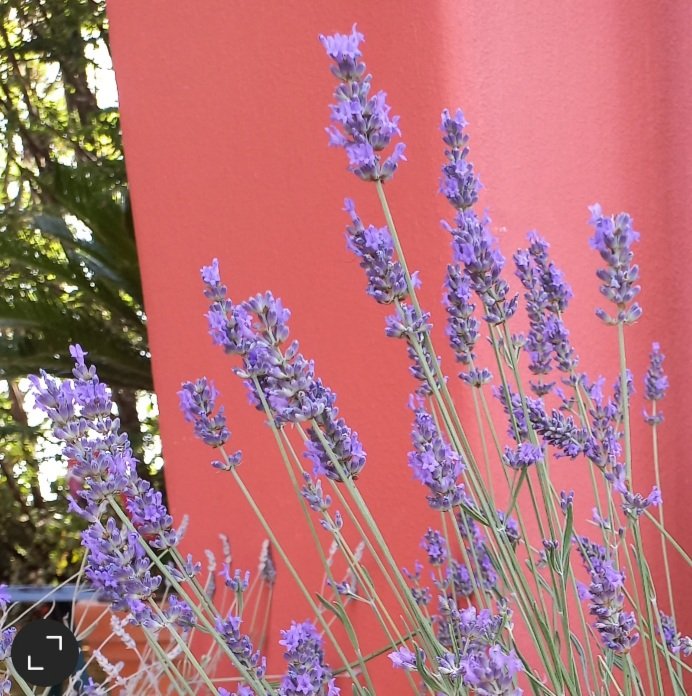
[68,259]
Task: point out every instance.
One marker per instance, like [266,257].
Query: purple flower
[655,382]
[238,582]
[229,324]
[6,638]
[512,406]
[462,325]
[89,688]
[241,645]
[566,500]
[434,463]
[150,516]
[116,563]
[457,580]
[634,504]
[473,243]
[180,613]
[243,690]
[603,447]
[276,375]
[510,528]
[450,665]
[482,663]
[362,123]
[617,628]
[5,598]
[335,525]
[375,249]
[344,454]
[492,671]
[404,659]
[408,324]
[558,293]
[674,640]
[482,262]
[547,296]
[458,184]
[435,545]
[197,402]
[558,430]
[522,456]
[307,672]
[613,238]
[312,492]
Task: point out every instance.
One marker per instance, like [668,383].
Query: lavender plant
[515,597]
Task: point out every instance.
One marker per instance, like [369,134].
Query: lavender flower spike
[197,401]
[547,295]
[617,628]
[472,241]
[435,464]
[403,658]
[362,124]
[276,375]
[458,184]
[655,383]
[81,412]
[375,249]
[307,673]
[675,641]
[462,326]
[613,238]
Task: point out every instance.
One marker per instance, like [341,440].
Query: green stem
[625,400]
[664,546]
[199,614]
[291,569]
[670,538]
[323,559]
[652,611]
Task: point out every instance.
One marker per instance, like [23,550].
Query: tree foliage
[68,260]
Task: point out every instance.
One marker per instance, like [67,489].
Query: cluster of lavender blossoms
[362,124]
[547,296]
[480,663]
[613,238]
[278,379]
[616,627]
[500,539]
[307,673]
[472,241]
[81,412]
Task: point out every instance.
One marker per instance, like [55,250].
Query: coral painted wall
[223,107]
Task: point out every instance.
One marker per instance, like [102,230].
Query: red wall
[224,105]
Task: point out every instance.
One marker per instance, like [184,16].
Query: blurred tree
[68,260]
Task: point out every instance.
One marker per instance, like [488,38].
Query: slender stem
[669,537]
[325,564]
[651,608]
[291,569]
[249,676]
[664,546]
[363,508]
[168,665]
[26,689]
[183,646]
[624,395]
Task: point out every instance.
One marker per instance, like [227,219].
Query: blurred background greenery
[68,268]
